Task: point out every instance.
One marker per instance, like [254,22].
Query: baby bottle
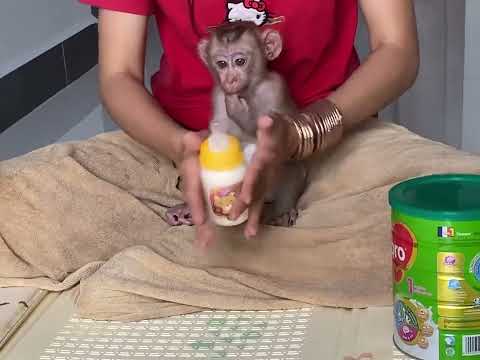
[222,170]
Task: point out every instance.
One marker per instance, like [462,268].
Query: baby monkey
[237,55]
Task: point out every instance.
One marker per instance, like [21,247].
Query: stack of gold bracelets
[317,130]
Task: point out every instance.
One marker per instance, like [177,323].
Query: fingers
[255,211]
[274,133]
[203,134]
[191,173]
[205,231]
[265,124]
[205,235]
[263,158]
[266,132]
[252,188]
[251,180]
[192,142]
[264,155]
[193,191]
[254,215]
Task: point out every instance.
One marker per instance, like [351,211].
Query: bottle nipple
[218,142]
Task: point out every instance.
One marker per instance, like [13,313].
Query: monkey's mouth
[236,89]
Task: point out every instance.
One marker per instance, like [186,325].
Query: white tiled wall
[60,117]
[74,113]
[30,27]
[471,85]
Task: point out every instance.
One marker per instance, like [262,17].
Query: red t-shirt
[318,56]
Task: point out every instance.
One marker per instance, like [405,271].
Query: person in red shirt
[319,62]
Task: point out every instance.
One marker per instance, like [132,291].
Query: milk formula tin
[436,266]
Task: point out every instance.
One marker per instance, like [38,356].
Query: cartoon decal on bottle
[222,199]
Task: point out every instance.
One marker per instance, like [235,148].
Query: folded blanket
[92,213]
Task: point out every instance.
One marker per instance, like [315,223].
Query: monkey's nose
[231,85]
[232,81]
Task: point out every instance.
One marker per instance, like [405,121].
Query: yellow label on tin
[450,263]
[456,297]
[458,324]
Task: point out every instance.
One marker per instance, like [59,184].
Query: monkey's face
[237,55]
[232,70]
[235,64]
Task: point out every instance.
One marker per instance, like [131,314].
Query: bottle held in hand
[223,168]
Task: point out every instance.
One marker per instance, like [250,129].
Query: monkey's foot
[179,215]
[287,219]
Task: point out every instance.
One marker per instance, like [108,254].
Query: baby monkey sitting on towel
[237,55]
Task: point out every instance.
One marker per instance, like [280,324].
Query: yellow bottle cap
[221,152]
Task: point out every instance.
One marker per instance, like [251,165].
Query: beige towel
[92,213]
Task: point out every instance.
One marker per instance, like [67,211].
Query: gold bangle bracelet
[318,131]
[309,134]
[303,133]
[298,149]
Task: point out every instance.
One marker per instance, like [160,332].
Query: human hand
[275,145]
[189,167]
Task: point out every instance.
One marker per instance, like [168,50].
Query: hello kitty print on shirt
[251,10]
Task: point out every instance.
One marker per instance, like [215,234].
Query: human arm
[390,69]
[122,41]
[387,73]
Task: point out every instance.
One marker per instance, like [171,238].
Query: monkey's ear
[273,44]
[202,50]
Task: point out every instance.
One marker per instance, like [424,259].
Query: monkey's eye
[240,62]
[222,64]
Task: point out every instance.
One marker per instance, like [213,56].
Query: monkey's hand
[239,111]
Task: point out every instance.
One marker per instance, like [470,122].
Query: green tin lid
[438,197]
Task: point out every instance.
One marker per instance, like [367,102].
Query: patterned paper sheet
[252,335]
[262,335]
